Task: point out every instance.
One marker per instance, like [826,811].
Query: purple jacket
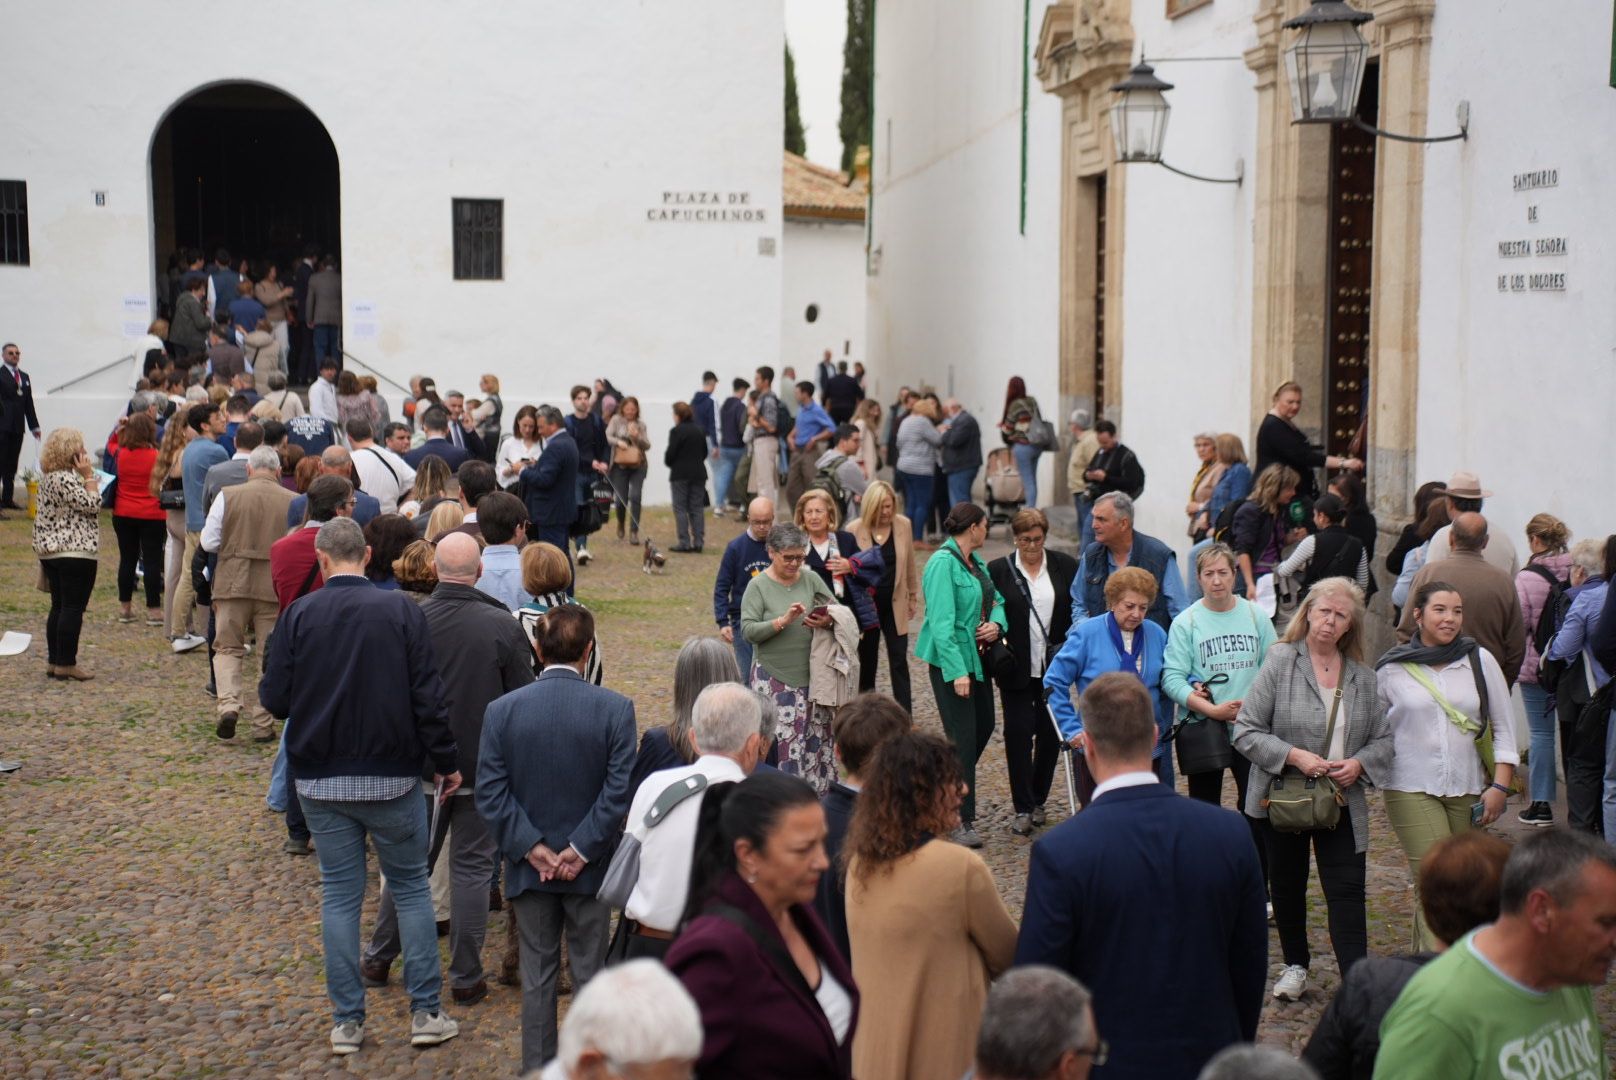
[1533,592]
[758,1021]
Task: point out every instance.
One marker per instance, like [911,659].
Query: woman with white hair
[633,1020]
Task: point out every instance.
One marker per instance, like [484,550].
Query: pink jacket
[1533,592]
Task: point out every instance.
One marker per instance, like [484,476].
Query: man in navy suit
[553,785]
[550,485]
[1153,901]
[336,461]
[16,416]
[435,422]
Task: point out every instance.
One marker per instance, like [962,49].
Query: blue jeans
[397,829]
[917,490]
[586,480]
[327,342]
[1026,455]
[1085,521]
[959,486]
[1543,726]
[729,459]
[743,652]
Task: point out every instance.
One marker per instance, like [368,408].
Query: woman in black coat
[1281,442]
[1031,743]
[686,459]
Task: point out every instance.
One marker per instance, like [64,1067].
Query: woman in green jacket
[957,590]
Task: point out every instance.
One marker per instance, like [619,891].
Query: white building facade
[964,229]
[640,199]
[822,263]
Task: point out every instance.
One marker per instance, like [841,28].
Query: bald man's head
[1469,532]
[336,460]
[459,559]
[760,517]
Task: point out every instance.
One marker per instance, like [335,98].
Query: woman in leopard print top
[67,537]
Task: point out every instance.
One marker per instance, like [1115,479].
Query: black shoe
[296,845]
[683,549]
[9,506]
[1540,814]
[496,902]
[443,927]
[227,726]
[471,995]
[211,689]
[373,973]
[271,737]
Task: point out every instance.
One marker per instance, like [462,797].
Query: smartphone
[1477,812]
[822,609]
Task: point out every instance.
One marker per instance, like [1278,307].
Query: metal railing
[88,374]
[129,358]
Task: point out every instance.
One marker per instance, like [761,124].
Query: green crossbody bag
[1300,803]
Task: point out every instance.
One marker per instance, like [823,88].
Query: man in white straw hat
[1465,495]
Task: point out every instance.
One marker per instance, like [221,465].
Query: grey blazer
[1283,710]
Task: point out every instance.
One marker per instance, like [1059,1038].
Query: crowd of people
[792,863]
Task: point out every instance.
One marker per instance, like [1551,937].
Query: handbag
[172,498]
[623,872]
[1484,734]
[1041,433]
[998,660]
[1297,802]
[1203,744]
[628,457]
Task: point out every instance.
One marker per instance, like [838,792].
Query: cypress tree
[795,141]
[857,80]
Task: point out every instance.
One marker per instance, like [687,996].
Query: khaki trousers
[179,611]
[765,479]
[232,619]
[1420,820]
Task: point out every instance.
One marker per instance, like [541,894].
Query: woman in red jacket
[776,997]
[140,524]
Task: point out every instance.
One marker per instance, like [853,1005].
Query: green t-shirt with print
[1460,1018]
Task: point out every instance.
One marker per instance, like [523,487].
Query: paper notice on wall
[136,316]
[362,323]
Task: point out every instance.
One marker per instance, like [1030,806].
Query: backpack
[1225,522]
[1555,606]
[827,481]
[784,422]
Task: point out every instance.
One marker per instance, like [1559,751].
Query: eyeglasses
[794,560]
[760,524]
[1029,540]
[1100,1051]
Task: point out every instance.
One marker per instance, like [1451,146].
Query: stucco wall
[1517,385]
[962,299]
[822,264]
[579,116]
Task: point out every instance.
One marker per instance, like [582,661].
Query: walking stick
[1066,759]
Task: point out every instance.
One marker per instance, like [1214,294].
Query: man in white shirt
[382,473]
[323,394]
[725,724]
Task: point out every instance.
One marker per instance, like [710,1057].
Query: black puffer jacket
[1344,1045]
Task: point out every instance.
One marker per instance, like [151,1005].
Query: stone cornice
[1081,46]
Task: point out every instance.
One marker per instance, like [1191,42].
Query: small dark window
[812,314]
[479,239]
[14,222]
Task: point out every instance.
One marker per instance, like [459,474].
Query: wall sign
[706,206]
[1545,279]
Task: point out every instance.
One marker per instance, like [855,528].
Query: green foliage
[858,80]
[795,140]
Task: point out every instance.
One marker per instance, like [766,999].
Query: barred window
[479,239]
[14,222]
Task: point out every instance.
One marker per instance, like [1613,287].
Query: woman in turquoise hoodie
[958,592]
[1120,640]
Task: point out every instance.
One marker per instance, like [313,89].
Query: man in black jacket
[1114,468]
[483,654]
[354,666]
[16,416]
[962,451]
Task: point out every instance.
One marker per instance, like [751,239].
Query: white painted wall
[963,300]
[579,115]
[1187,261]
[822,264]
[1517,386]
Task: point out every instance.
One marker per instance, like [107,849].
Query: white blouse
[1043,602]
[835,1002]
[511,451]
[1433,756]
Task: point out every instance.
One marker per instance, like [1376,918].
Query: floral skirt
[801,732]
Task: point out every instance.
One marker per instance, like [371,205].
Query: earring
[751,879]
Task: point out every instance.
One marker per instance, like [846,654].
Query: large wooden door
[1099,297]
[1350,255]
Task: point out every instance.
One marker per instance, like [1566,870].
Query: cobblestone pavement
[150,925]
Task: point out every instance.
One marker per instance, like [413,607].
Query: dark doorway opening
[247,168]
[1349,275]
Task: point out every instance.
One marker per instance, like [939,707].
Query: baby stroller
[1003,484]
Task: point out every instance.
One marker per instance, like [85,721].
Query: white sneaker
[584,557]
[187,642]
[347,1038]
[430,1029]
[1270,912]
[1291,982]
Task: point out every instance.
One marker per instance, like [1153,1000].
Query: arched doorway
[248,168]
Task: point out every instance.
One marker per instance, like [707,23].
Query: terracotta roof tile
[814,191]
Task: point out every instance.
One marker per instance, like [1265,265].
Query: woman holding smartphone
[520,450]
[1448,704]
[780,610]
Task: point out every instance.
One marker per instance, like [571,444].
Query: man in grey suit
[482,654]
[249,437]
[553,785]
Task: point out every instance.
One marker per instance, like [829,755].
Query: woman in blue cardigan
[1120,640]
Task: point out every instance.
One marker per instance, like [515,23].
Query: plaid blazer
[1283,710]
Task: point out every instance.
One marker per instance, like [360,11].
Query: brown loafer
[75,673]
[471,995]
